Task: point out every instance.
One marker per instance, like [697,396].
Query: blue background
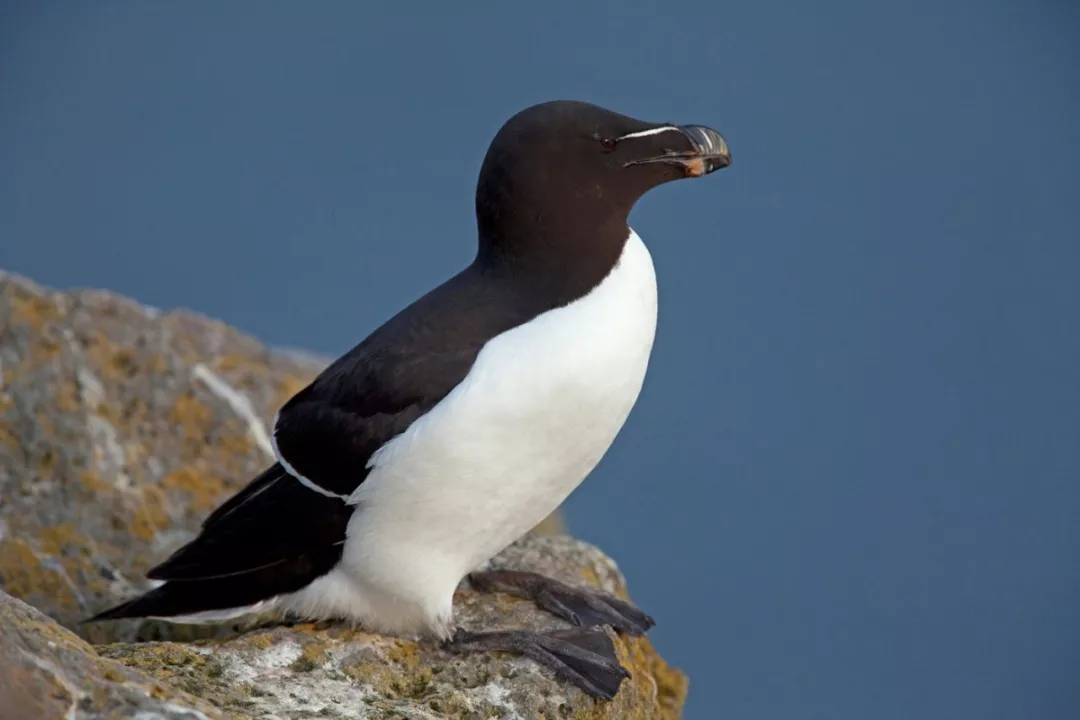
[851,487]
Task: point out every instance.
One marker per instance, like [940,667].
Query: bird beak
[709,152]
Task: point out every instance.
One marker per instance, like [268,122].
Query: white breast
[541,405]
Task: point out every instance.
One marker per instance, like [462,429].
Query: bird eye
[607,143]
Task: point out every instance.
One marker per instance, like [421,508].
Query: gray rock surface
[48,672]
[121,427]
[329,670]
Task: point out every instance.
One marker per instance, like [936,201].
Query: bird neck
[559,250]
[569,236]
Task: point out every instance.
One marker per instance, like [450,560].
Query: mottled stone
[330,670]
[121,427]
[49,673]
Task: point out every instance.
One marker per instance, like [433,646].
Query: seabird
[468,417]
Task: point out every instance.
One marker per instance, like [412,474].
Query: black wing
[264,481]
[278,534]
[328,431]
[273,537]
[275,521]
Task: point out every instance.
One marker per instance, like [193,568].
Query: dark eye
[607,143]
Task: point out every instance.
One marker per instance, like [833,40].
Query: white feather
[216,616]
[540,407]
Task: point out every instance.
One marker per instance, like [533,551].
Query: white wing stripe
[292,471]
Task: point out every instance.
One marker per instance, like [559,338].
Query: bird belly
[540,407]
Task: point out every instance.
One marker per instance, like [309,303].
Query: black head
[562,176]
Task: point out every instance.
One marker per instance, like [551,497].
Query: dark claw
[584,658]
[577,606]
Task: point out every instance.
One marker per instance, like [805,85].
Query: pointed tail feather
[195,601]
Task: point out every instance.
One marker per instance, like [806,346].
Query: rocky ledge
[47,672]
[121,427]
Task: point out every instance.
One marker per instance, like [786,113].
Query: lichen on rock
[49,672]
[121,427]
[331,670]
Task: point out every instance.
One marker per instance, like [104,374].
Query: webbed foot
[585,658]
[576,605]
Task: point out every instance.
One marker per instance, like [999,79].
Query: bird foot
[584,658]
[578,606]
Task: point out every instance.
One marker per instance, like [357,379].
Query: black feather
[185,597]
[277,535]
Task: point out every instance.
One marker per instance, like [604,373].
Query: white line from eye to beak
[647,133]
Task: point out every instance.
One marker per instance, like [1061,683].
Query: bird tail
[192,601]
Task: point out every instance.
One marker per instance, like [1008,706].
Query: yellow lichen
[93,482]
[655,691]
[56,539]
[24,576]
[312,655]
[46,461]
[404,652]
[112,675]
[672,686]
[45,423]
[232,361]
[205,490]
[67,396]
[31,310]
[192,416]
[553,524]
[149,516]
[123,364]
[235,444]
[8,437]
[262,640]
[591,577]
[64,544]
[157,364]
[45,348]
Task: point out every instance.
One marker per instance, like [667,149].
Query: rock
[121,427]
[49,673]
[329,670]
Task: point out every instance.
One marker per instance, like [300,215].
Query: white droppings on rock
[260,666]
[284,692]
[109,455]
[171,711]
[62,680]
[90,388]
[308,671]
[240,404]
[50,563]
[496,693]
[158,408]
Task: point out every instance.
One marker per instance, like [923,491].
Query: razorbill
[468,417]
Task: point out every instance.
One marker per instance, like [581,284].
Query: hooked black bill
[709,152]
